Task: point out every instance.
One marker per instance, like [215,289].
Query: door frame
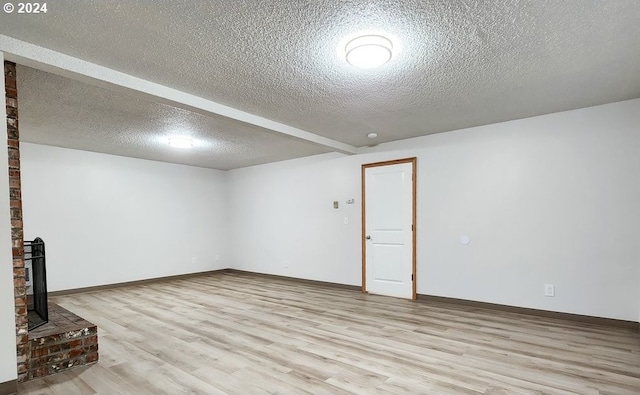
[365,166]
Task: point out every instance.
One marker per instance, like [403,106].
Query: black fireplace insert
[36,276]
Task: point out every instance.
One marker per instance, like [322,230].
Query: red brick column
[17,238]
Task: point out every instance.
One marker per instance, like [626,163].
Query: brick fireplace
[15,201]
[67,340]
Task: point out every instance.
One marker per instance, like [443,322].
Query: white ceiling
[57,111]
[460,63]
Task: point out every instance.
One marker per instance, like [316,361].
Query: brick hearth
[66,341]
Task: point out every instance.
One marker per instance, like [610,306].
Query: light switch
[335,204]
[346,220]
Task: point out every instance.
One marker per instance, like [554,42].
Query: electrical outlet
[549,290]
[194,260]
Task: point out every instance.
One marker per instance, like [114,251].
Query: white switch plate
[549,290]
[194,260]
[346,220]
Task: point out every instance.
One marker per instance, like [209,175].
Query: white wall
[283,220]
[550,199]
[8,363]
[109,219]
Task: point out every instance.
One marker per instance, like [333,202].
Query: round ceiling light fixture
[368,51]
[180,142]
[372,135]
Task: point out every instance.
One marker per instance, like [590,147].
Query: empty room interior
[324,197]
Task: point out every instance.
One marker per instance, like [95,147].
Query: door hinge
[412,228]
[412,277]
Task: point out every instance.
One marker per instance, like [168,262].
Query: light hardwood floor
[238,333]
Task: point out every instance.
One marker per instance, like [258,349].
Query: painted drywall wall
[8,363]
[283,220]
[109,219]
[550,199]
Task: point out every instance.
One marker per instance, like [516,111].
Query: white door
[388,229]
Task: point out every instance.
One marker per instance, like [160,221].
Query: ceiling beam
[67,66]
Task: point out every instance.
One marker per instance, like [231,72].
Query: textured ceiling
[58,111]
[459,63]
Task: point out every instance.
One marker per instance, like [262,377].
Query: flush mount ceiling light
[368,51]
[372,135]
[180,142]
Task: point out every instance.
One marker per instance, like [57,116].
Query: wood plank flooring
[239,333]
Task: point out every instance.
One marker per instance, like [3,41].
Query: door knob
[368,237]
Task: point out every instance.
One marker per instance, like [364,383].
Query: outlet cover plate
[549,290]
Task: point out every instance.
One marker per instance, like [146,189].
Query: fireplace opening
[36,279]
